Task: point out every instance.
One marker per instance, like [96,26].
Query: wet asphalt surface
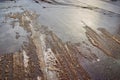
[73,32]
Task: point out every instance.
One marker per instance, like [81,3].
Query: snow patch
[26,59]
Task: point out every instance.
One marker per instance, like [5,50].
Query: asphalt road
[59,40]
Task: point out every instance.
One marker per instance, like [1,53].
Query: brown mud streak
[60,61]
[70,68]
[34,70]
[73,50]
[32,49]
[96,40]
[60,49]
[18,66]
[106,33]
[6,65]
[66,59]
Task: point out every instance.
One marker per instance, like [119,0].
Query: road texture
[59,40]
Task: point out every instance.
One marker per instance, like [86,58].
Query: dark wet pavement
[69,31]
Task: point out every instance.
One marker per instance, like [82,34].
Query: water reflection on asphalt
[94,33]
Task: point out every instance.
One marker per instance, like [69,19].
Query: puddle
[14,31]
[11,39]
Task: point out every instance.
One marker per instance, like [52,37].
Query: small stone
[98,60]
